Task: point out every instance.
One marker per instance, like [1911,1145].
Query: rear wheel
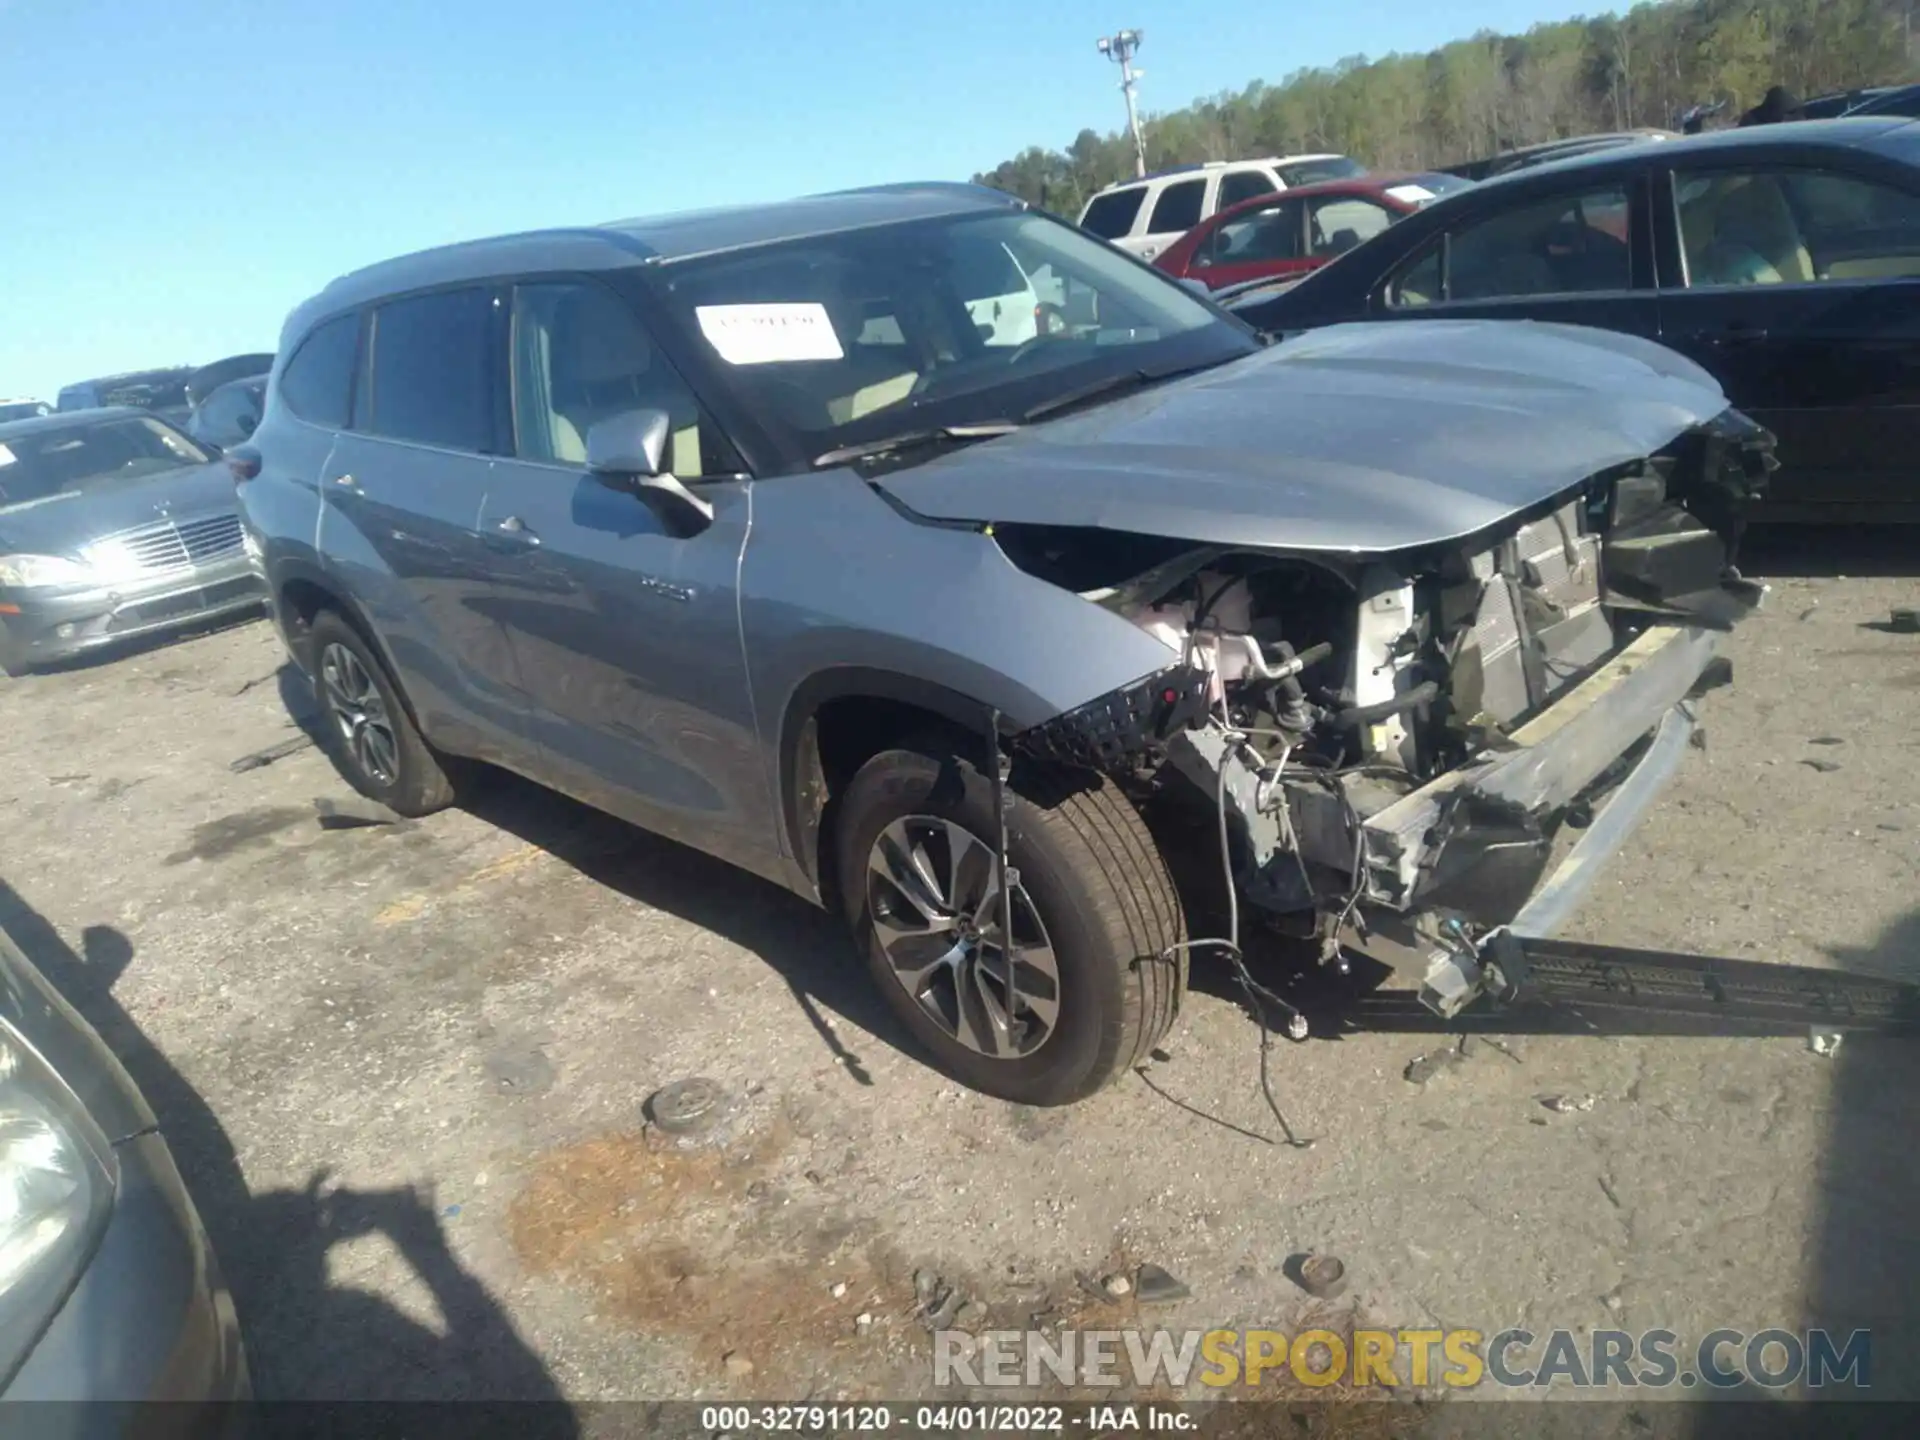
[368,732]
[1092,986]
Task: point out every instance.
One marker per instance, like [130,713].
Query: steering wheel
[1052,323]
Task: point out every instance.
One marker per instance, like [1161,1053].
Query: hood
[1353,438]
[61,524]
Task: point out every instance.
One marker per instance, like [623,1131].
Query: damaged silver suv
[921,554]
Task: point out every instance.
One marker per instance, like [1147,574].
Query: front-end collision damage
[1397,739]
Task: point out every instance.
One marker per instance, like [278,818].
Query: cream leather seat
[1742,232]
[603,365]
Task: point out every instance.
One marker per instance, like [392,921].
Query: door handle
[512,533]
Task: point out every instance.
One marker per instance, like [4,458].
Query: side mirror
[629,452]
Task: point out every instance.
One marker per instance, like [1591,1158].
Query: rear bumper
[37,628]
[1475,842]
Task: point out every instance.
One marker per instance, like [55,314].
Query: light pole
[1121,47]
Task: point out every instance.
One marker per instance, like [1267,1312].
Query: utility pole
[1121,47]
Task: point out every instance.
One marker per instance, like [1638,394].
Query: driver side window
[1567,244]
[580,356]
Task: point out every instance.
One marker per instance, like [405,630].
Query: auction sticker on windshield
[769,334]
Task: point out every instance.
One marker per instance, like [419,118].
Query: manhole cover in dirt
[689,1107]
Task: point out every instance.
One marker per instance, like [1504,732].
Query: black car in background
[1901,100]
[1785,259]
[163,392]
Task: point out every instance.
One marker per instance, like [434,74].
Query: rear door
[405,487]
[1577,252]
[1798,286]
[627,633]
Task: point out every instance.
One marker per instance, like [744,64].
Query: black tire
[1094,879]
[417,783]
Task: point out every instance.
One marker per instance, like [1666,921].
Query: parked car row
[925,555]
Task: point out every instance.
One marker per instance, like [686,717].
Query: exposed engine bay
[1393,740]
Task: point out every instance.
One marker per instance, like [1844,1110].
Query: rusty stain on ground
[409,908]
[674,1243]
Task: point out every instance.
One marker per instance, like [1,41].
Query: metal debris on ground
[1826,740]
[259,759]
[1825,767]
[1155,1286]
[688,1107]
[1117,1286]
[1824,1042]
[1568,1104]
[1431,1066]
[1906,619]
[1322,1276]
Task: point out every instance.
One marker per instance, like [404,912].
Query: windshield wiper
[914,440]
[1109,386]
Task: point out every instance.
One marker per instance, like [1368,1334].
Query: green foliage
[1488,93]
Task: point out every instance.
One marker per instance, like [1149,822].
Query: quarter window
[430,366]
[1786,227]
[1178,207]
[317,384]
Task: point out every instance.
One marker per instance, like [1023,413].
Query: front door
[625,624]
[1254,245]
[405,489]
[1799,289]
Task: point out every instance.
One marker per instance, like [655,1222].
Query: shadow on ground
[807,947]
[305,1338]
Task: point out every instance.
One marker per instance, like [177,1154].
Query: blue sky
[181,173]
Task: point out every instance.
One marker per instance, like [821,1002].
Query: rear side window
[1178,207]
[317,384]
[1243,185]
[1111,215]
[431,359]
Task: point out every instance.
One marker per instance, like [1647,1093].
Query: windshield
[1312,172]
[73,460]
[842,338]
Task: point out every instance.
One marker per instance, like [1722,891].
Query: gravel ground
[404,1065]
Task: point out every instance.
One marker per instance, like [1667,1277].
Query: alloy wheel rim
[359,712]
[935,905]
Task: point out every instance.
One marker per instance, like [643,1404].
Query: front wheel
[368,732]
[1094,982]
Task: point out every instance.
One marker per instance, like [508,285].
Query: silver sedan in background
[113,524]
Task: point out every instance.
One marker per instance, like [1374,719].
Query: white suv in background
[1145,216]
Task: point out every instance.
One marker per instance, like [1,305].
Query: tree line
[1490,93]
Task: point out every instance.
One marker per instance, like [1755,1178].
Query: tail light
[243,463]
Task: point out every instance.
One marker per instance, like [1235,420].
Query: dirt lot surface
[404,1065]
